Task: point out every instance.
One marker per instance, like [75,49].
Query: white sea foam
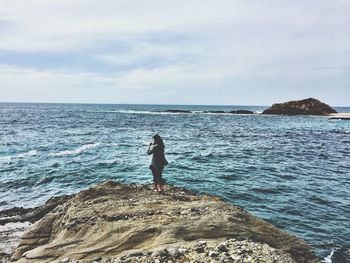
[75,151]
[328,259]
[217,113]
[347,132]
[18,156]
[27,154]
[11,226]
[6,159]
[112,161]
[135,112]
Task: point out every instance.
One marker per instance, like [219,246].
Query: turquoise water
[291,171]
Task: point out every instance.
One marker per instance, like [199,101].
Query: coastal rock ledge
[309,106]
[112,222]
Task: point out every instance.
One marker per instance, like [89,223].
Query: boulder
[309,106]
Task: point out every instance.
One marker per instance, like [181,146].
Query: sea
[292,171]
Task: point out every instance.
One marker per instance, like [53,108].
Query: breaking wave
[19,156]
[75,151]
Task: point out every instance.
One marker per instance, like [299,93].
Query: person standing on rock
[156,148]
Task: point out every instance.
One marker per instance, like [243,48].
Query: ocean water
[291,171]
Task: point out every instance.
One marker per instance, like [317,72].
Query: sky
[230,52]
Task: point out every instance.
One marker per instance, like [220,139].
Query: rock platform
[113,222]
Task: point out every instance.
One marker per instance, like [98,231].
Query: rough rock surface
[301,107]
[125,223]
[14,221]
[230,250]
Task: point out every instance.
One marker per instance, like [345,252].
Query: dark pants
[157,173]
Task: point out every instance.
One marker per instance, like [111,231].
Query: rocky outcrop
[241,112]
[215,111]
[14,222]
[129,223]
[177,111]
[302,107]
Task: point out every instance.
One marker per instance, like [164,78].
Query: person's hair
[158,140]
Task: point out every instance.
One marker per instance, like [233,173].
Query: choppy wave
[111,161]
[75,151]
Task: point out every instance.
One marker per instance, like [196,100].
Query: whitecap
[19,156]
[347,132]
[111,161]
[6,159]
[28,154]
[328,259]
[75,151]
[139,112]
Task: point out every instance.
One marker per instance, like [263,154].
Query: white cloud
[50,25]
[168,48]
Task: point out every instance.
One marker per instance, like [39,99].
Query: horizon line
[110,103]
[155,104]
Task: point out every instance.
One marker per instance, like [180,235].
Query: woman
[156,147]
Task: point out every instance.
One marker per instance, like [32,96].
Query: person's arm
[151,149]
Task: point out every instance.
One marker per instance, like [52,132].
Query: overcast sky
[249,52]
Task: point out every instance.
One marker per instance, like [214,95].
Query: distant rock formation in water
[215,111]
[178,111]
[241,112]
[309,106]
[112,222]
